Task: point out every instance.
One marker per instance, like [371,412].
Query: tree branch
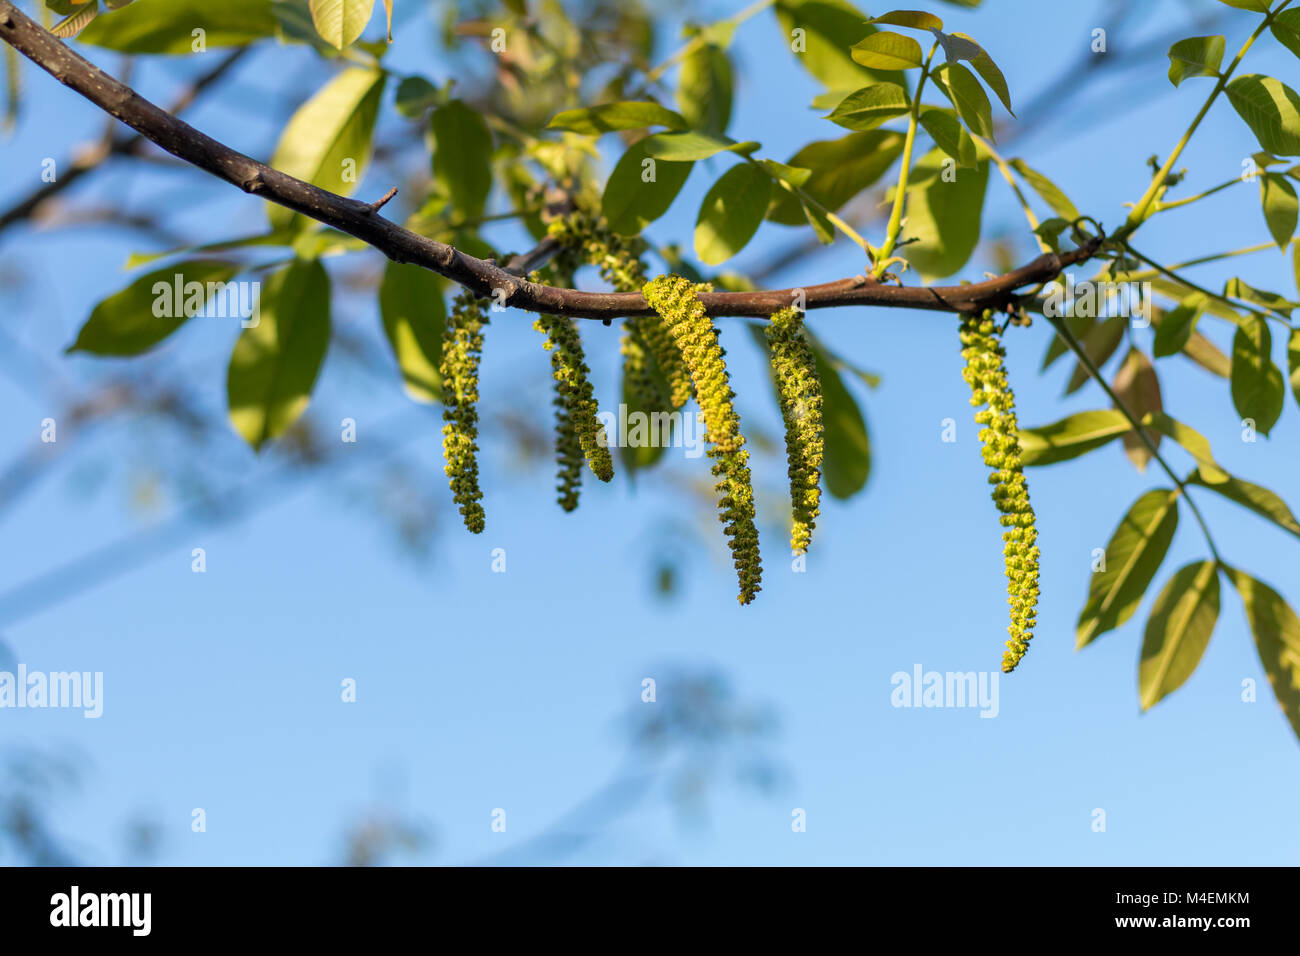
[483,277]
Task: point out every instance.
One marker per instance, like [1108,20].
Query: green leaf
[1196,444]
[1255,6]
[840,170]
[1177,325]
[944,218]
[847,460]
[1293,362]
[1254,497]
[413,313]
[909,18]
[888,51]
[704,89]
[1195,56]
[415,97]
[1271,109]
[275,362]
[1048,190]
[1281,207]
[968,96]
[165,26]
[689,146]
[341,22]
[985,67]
[1071,437]
[1178,631]
[1258,391]
[1277,639]
[1133,557]
[148,310]
[1236,289]
[821,33]
[794,175]
[950,136]
[731,213]
[1286,29]
[327,141]
[462,157]
[640,190]
[610,117]
[867,108]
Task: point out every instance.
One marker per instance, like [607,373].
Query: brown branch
[111,146]
[484,278]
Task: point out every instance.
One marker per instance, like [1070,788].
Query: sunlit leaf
[1132,558]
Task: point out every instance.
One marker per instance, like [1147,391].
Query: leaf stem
[1142,211]
[1063,330]
[895,227]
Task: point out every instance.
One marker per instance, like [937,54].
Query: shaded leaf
[413,313]
[1195,56]
[1178,631]
[1258,499]
[152,307]
[1277,639]
[609,117]
[1258,390]
[462,157]
[640,190]
[1138,386]
[731,212]
[275,362]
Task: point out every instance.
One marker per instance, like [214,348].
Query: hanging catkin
[678,304]
[985,373]
[462,347]
[800,391]
[575,407]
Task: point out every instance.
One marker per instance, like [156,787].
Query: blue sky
[479,691]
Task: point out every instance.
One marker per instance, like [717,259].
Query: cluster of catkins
[678,303]
[462,348]
[986,375]
[652,365]
[799,388]
[667,358]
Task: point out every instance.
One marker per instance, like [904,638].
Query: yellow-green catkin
[462,348]
[619,260]
[986,375]
[576,408]
[678,304]
[800,390]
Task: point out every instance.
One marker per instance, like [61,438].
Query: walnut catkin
[575,408]
[678,304]
[619,260]
[800,391]
[462,348]
[985,373]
